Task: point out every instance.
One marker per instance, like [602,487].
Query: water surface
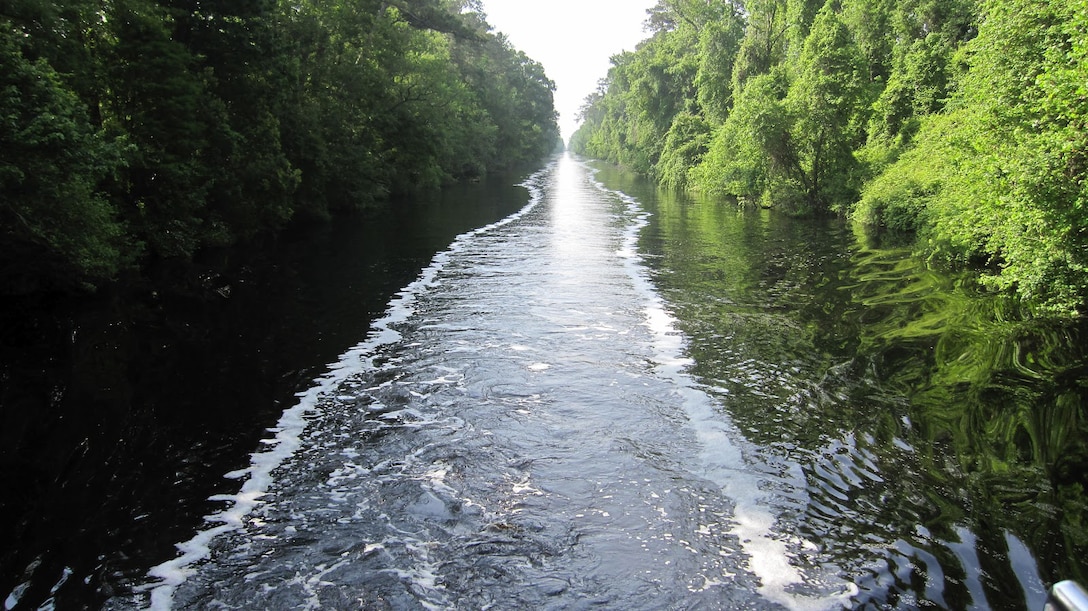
[119,412]
[928,438]
[620,398]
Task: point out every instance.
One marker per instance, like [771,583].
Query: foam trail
[287,434]
[722,459]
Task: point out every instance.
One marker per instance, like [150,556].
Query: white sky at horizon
[573,39]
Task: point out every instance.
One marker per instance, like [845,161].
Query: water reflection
[941,433]
[569,217]
[119,413]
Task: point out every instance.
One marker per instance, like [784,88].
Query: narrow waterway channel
[517,432]
[621,398]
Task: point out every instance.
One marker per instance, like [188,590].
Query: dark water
[614,398]
[939,434]
[119,414]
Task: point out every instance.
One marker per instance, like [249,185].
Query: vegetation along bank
[136,131]
[960,123]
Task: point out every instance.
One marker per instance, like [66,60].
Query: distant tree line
[961,122]
[132,130]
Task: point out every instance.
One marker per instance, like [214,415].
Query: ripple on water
[518,434]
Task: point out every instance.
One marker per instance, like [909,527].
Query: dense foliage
[962,122]
[139,129]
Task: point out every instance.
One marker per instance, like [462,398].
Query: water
[518,432]
[120,413]
[625,399]
[933,436]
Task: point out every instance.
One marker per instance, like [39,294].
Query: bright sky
[573,39]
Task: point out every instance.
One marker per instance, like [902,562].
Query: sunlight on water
[569,218]
[561,412]
[723,462]
[291,426]
[530,407]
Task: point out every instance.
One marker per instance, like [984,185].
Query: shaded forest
[960,124]
[133,131]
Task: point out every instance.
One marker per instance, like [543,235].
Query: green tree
[685,145]
[915,63]
[159,101]
[630,118]
[800,15]
[826,102]
[198,123]
[753,148]
[766,37]
[719,43]
[57,226]
[870,22]
[239,47]
[1000,176]
[789,141]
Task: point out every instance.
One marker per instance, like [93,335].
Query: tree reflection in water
[940,429]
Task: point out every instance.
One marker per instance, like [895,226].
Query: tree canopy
[961,122]
[139,129]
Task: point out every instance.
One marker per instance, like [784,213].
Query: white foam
[753,523]
[292,423]
[15,595]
